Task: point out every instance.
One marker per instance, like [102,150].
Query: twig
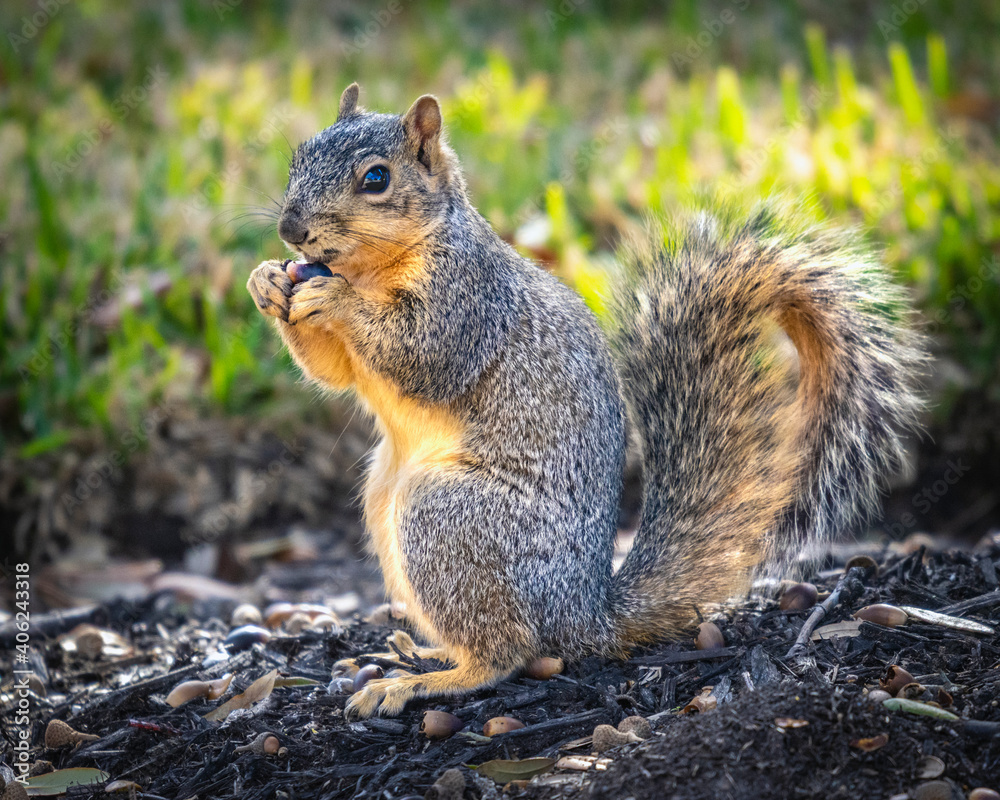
[849,586]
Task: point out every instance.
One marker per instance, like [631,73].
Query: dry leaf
[503,771]
[55,783]
[259,690]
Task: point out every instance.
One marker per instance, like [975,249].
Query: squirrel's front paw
[271,287]
[316,300]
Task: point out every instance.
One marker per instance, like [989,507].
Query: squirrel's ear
[348,102]
[422,124]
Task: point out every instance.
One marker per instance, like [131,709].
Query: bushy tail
[740,469]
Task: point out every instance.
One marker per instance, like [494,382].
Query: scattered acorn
[246,637]
[346,668]
[982,793]
[501,725]
[36,686]
[882,614]
[218,687]
[367,673]
[894,678]
[440,724]
[638,725]
[932,790]
[931,767]
[297,623]
[325,622]
[90,644]
[114,787]
[59,734]
[877,695]
[911,691]
[341,685]
[542,669]
[186,692]
[300,271]
[245,614]
[276,614]
[709,637]
[798,597]
[866,563]
[264,744]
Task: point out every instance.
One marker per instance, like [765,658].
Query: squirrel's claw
[383,696]
[315,300]
[270,287]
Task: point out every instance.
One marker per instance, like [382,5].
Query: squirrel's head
[368,188]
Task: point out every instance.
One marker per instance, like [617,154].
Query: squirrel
[505,410]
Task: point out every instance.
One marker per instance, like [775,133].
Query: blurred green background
[140,142]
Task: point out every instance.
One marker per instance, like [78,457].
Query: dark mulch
[783,727]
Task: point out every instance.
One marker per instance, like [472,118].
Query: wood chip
[947,621]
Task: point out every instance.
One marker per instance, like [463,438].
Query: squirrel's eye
[376,180]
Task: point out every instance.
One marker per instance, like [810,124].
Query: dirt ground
[781,727]
[152,558]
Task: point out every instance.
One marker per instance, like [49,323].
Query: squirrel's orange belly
[430,444]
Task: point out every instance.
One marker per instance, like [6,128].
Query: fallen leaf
[259,690]
[503,771]
[947,621]
[58,782]
[916,707]
[293,681]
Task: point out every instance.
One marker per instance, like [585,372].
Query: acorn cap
[59,734]
[606,737]
[450,786]
[638,725]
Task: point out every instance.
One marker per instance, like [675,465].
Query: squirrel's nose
[292,229]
